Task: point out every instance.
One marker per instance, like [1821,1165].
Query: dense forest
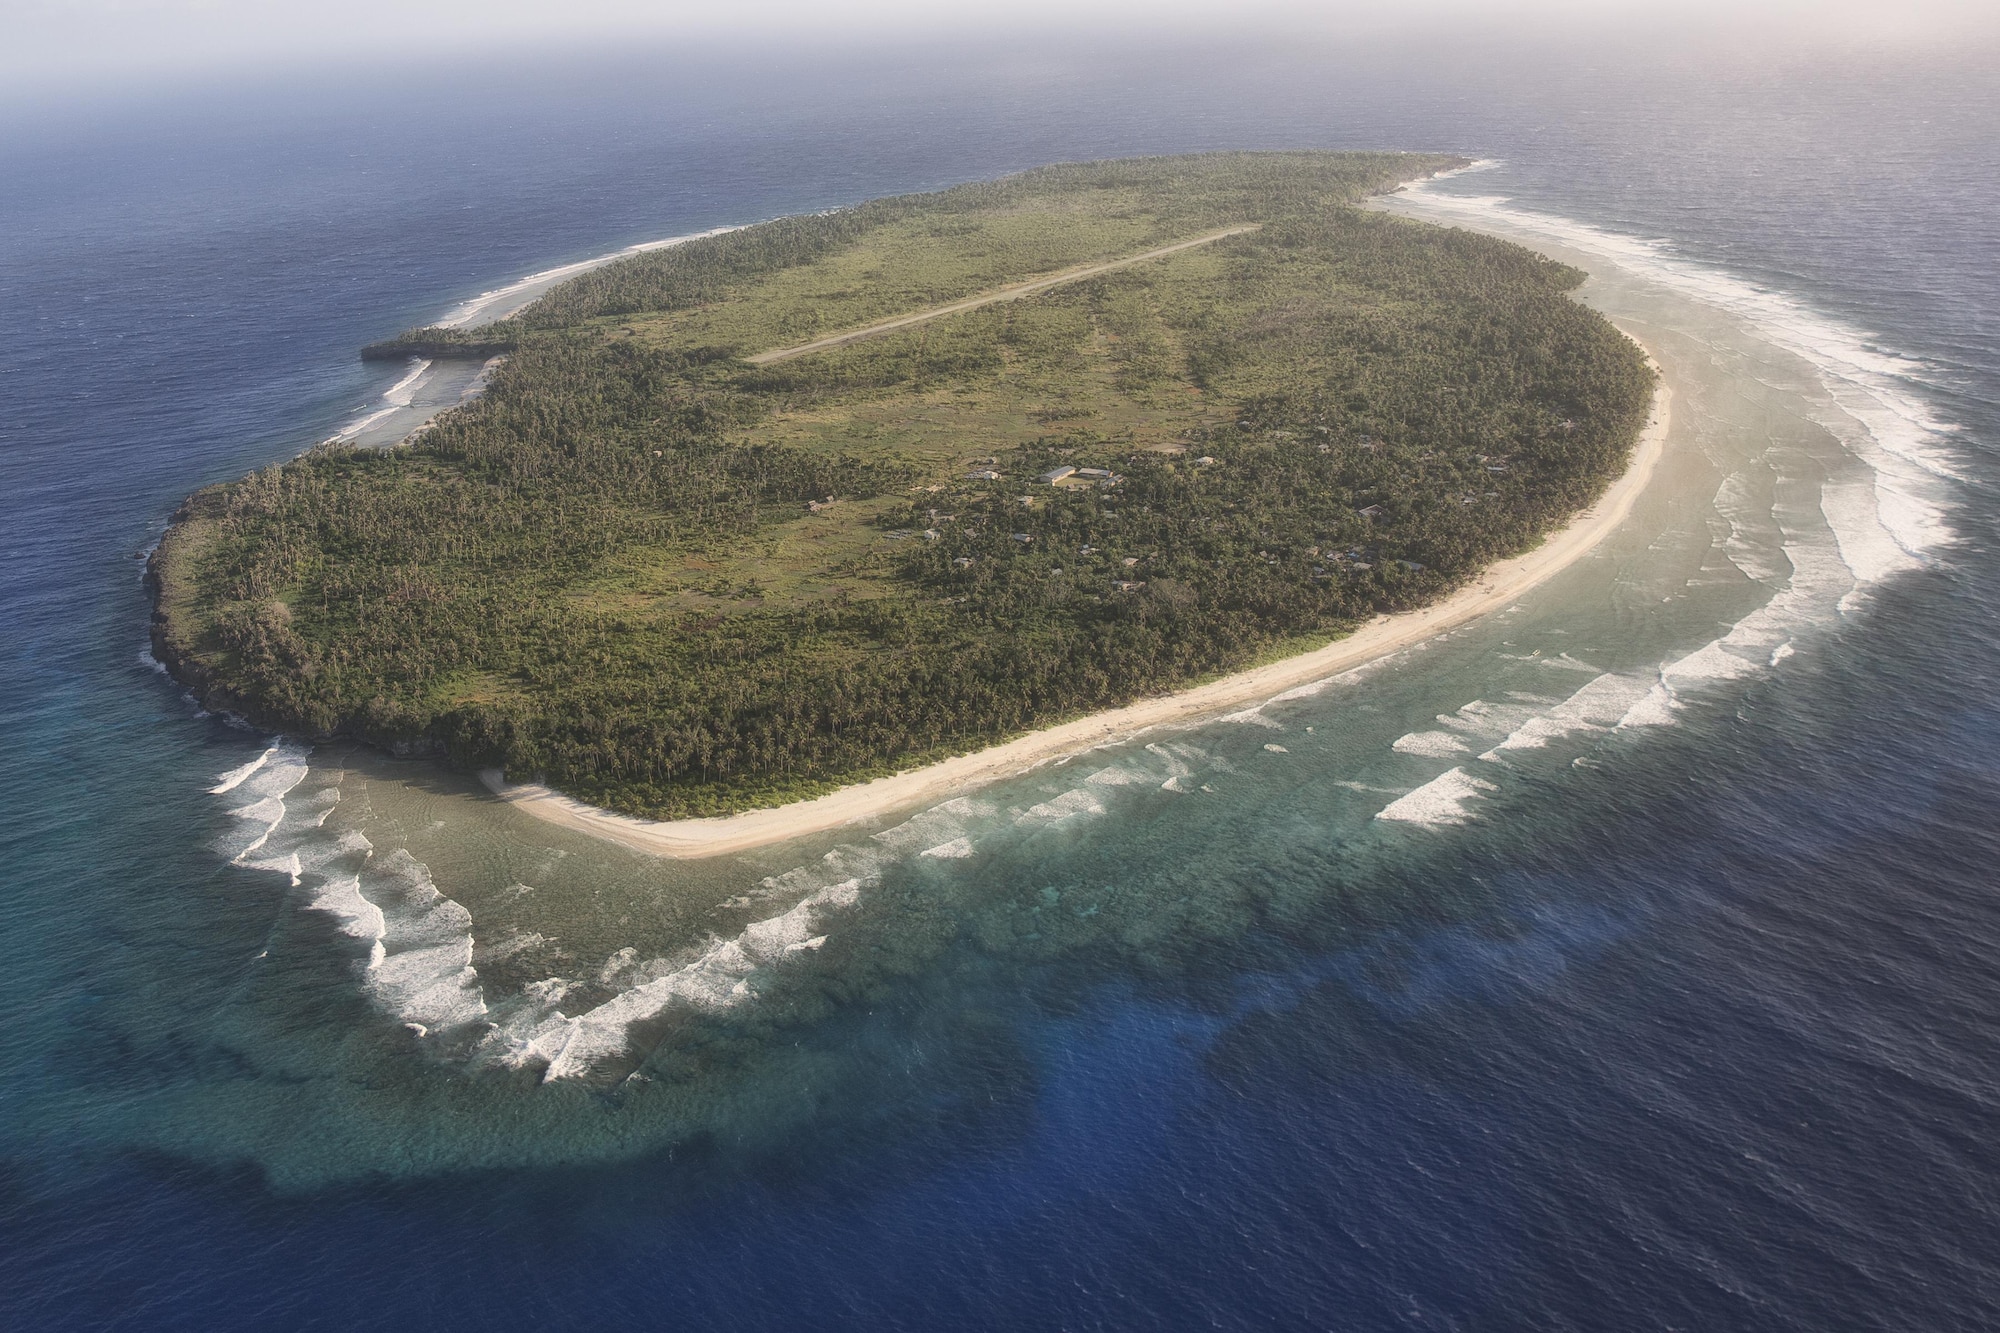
[673,582]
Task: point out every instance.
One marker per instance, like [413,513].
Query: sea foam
[1442,800]
[721,975]
[1599,705]
[1881,514]
[532,1028]
[421,967]
[418,969]
[1064,807]
[256,794]
[481,307]
[1880,416]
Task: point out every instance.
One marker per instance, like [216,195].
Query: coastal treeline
[594,572]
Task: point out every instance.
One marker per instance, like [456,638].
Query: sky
[76,45]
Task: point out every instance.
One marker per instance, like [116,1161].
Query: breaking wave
[418,969]
[1892,520]
[542,1027]
[395,398]
[1823,545]
[719,975]
[504,302]
[1820,587]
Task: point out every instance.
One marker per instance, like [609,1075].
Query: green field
[676,582]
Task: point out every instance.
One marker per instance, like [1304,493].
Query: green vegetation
[620,567]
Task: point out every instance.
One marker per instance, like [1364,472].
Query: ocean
[1627,960]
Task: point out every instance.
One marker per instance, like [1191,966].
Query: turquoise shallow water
[1621,960]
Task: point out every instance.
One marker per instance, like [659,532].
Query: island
[749,520]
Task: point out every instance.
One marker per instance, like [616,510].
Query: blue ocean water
[1715,1045]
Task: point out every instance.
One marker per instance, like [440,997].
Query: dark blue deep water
[1717,1048]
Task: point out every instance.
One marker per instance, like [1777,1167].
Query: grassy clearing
[907,266]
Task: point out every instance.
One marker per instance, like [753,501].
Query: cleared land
[1019,291]
[680,576]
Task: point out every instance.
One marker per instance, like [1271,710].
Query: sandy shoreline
[1493,589]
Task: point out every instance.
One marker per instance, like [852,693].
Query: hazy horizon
[96,48]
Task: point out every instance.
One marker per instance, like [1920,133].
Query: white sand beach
[1494,589]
